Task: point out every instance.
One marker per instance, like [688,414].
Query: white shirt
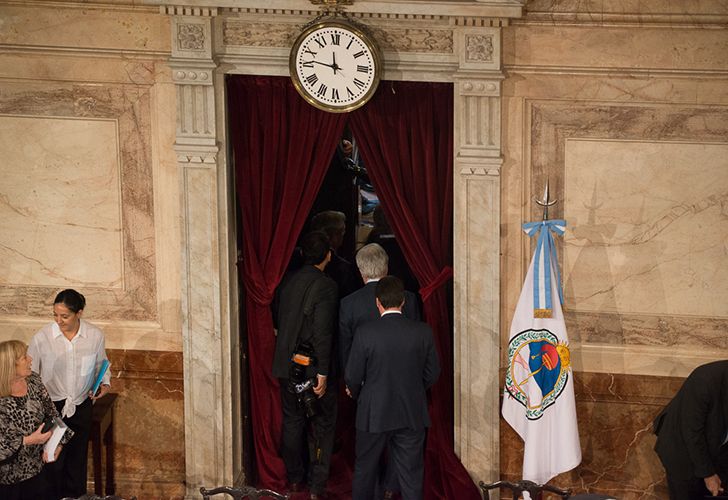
[68,367]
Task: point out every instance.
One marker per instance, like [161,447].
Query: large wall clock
[335,65]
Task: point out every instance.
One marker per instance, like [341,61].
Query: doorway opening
[282,149]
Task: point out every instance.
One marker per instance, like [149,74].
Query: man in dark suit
[692,432]
[391,365]
[343,272]
[360,307]
[306,313]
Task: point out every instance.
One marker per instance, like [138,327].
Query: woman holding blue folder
[68,354]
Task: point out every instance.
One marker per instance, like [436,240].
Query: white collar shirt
[68,367]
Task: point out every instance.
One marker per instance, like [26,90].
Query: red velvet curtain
[282,148]
[405,135]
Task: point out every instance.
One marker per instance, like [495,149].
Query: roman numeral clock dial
[335,65]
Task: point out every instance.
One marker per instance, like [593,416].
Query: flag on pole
[538,398]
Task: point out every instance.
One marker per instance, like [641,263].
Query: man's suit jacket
[393,362]
[692,427]
[360,307]
[306,308]
[344,273]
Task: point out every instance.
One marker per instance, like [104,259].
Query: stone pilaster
[477,149]
[205,284]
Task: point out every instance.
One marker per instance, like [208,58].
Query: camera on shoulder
[299,381]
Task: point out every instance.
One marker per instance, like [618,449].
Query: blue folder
[102,371]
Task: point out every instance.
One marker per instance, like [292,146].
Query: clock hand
[324,64]
[334,66]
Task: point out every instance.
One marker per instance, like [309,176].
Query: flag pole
[538,400]
[545,202]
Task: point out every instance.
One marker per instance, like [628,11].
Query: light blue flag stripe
[546,248]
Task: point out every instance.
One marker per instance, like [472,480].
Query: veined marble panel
[554,127]
[149,457]
[127,288]
[638,241]
[44,240]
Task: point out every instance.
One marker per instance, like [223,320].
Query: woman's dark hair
[70,298]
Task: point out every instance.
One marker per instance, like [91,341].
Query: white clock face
[335,69]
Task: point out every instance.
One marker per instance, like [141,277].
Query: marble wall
[615,413]
[149,431]
[89,200]
[623,107]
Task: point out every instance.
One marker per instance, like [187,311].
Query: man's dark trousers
[293,436]
[405,451]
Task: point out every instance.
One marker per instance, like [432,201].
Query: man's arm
[346,332]
[355,367]
[431,371]
[324,302]
[693,416]
[411,307]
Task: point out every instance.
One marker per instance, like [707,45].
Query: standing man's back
[392,363]
[306,319]
[360,307]
[692,434]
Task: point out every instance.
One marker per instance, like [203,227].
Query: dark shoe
[388,495]
[317,496]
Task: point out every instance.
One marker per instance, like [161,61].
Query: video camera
[299,383]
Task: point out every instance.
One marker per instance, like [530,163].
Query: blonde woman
[24,406]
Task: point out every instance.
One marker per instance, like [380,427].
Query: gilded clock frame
[358,31]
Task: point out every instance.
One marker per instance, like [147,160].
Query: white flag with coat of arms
[538,397]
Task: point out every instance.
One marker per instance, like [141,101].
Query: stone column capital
[191,31]
[479,48]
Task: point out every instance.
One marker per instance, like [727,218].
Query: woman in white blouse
[67,354]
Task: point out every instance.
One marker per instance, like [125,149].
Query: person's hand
[348,392]
[38,437]
[103,390]
[320,388]
[713,484]
[55,455]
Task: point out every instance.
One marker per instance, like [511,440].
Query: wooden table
[102,430]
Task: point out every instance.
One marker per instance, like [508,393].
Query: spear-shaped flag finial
[546,202]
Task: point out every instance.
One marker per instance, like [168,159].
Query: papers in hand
[102,371]
[59,429]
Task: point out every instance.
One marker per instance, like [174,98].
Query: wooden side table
[102,430]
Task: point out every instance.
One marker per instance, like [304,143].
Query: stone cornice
[700,19]
[449,9]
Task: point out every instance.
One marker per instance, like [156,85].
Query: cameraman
[306,314]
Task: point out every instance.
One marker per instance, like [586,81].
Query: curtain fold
[282,148]
[405,136]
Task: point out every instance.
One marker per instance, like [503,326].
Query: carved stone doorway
[422,41]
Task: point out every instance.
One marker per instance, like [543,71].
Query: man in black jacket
[692,432]
[391,365]
[360,307]
[343,272]
[306,314]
